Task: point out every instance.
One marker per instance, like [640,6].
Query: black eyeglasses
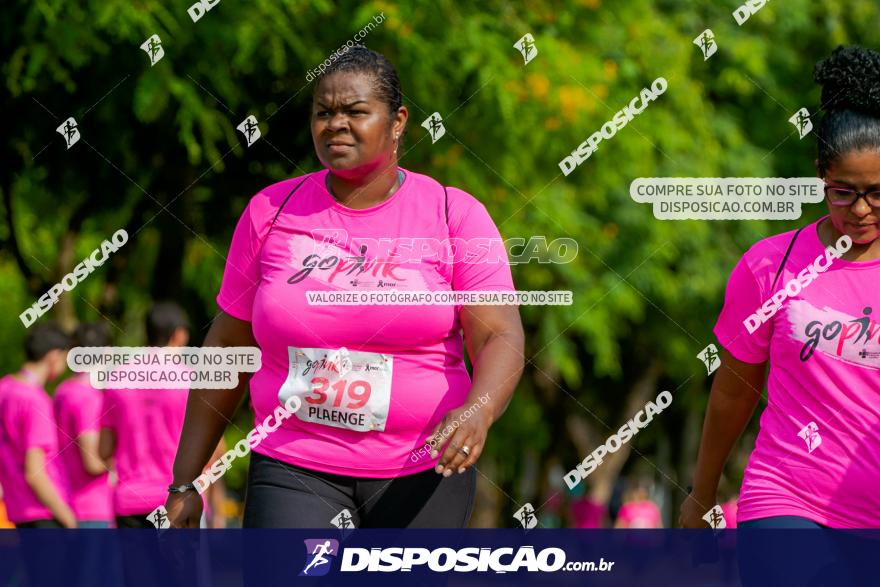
[846,197]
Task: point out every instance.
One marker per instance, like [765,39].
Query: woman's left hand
[494,338]
[460,437]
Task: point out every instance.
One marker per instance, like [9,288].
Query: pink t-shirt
[77,411]
[147,424]
[728,508]
[587,513]
[26,421]
[640,514]
[817,454]
[410,355]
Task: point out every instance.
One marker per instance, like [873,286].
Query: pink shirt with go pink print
[375,379]
[817,454]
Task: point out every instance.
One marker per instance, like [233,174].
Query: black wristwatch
[181,488]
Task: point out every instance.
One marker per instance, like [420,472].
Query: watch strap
[181,488]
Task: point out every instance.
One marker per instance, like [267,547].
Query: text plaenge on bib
[340,388]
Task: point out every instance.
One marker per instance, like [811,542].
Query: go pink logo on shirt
[835,334]
[333,266]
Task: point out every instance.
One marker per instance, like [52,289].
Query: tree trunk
[64,309]
[586,436]
[489,504]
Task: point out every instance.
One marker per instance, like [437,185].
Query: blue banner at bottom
[209,558]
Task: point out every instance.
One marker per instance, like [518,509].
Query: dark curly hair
[163,319]
[44,338]
[92,334]
[850,80]
[360,59]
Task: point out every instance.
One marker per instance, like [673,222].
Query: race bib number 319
[340,388]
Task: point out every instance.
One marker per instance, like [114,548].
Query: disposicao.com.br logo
[319,553]
[442,560]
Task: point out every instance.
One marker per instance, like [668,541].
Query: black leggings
[280,495]
[137,521]
[794,550]
[39,524]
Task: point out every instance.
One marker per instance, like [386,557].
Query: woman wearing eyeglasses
[816,460]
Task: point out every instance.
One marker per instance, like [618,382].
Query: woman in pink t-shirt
[816,460]
[374,382]
[78,409]
[638,511]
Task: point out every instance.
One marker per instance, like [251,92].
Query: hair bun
[850,80]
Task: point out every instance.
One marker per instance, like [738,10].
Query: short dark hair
[92,334]
[44,338]
[850,80]
[163,319]
[360,59]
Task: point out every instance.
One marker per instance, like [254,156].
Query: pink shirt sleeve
[482,265]
[743,297]
[242,273]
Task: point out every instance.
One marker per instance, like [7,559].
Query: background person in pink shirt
[33,486]
[816,460]
[375,381]
[140,428]
[638,511]
[587,512]
[78,408]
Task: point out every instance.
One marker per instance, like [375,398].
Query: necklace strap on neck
[400,177]
[28,375]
